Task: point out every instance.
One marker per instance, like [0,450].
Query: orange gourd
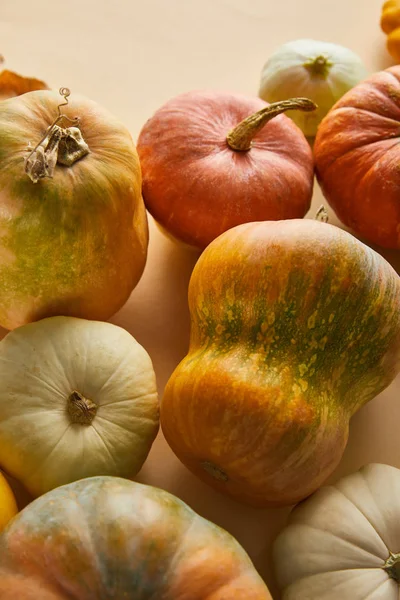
[295,325]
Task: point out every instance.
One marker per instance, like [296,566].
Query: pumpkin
[343,542]
[73,228]
[106,537]
[356,154]
[319,70]
[8,504]
[390,24]
[77,398]
[294,326]
[213,160]
[12,84]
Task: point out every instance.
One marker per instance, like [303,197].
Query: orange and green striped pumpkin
[106,537]
[294,326]
[74,244]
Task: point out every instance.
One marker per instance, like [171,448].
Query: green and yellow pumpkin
[294,326]
[73,227]
[106,537]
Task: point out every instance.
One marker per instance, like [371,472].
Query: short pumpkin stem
[392,566]
[59,145]
[322,214]
[80,409]
[241,136]
[319,66]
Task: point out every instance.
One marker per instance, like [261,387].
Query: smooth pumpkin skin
[75,244]
[336,543]
[196,187]
[8,504]
[105,537]
[357,154]
[390,24]
[294,326]
[42,444]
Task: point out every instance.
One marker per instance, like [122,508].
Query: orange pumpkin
[208,166]
[294,326]
[357,157]
[105,538]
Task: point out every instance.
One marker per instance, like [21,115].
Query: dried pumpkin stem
[58,145]
[241,136]
[80,409]
[322,214]
[392,566]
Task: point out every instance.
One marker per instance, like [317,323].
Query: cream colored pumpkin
[77,398]
[320,71]
[343,543]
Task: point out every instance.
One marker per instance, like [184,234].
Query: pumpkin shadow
[22,496]
[373,434]
[254,528]
[157,312]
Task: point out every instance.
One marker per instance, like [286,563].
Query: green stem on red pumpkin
[240,138]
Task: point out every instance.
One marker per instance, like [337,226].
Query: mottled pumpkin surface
[357,155]
[105,537]
[197,187]
[294,326]
[75,244]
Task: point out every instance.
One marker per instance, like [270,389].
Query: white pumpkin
[77,398]
[317,70]
[343,543]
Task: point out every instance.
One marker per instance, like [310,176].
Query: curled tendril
[65,92]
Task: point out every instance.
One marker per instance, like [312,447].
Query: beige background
[131,57]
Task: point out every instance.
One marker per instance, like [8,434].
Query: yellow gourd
[8,505]
[390,24]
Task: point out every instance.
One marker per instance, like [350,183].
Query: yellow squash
[8,505]
[390,24]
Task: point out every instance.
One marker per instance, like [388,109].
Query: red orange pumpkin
[357,157]
[213,160]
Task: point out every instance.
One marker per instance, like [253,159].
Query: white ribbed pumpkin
[343,543]
[317,70]
[77,398]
